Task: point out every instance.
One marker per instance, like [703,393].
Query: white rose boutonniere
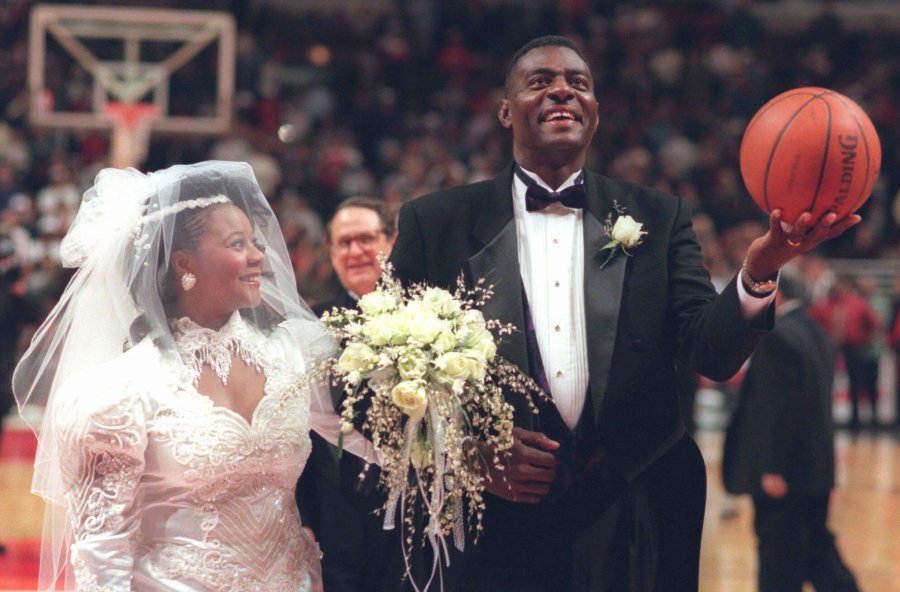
[624,234]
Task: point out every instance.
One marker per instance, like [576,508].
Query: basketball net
[131,132]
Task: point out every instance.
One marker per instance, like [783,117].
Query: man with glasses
[334,501]
[361,228]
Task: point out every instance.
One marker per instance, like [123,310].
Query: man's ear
[504,115]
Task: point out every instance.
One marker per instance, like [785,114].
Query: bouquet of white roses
[422,379]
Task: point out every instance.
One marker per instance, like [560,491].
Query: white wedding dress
[166,491]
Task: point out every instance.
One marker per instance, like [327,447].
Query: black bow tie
[537,198]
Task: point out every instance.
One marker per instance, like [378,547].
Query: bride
[173,429]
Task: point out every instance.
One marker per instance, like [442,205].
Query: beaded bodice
[168,491]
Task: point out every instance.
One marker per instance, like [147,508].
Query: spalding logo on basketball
[810,149]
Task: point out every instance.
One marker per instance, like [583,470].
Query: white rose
[412,364]
[453,366]
[480,344]
[387,328]
[377,331]
[410,397]
[399,324]
[356,357]
[377,302]
[476,367]
[424,324]
[441,302]
[627,232]
[444,342]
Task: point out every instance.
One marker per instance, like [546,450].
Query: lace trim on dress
[106,473]
[102,479]
[199,346]
[85,577]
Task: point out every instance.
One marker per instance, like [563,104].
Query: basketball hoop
[135,60]
[131,132]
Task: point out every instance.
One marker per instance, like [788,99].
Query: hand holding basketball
[810,149]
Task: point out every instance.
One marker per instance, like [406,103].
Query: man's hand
[774,485]
[529,468]
[785,241]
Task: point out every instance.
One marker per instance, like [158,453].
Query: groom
[603,489]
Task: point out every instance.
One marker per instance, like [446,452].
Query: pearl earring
[188,281]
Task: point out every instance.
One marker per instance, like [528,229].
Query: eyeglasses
[365,240]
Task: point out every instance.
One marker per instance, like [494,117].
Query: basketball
[810,149]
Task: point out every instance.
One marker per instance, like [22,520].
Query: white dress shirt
[551,263]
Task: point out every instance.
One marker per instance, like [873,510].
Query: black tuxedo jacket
[643,311]
[634,525]
[783,421]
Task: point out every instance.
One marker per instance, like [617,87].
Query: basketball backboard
[82,59]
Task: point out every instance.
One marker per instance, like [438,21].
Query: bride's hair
[189,226]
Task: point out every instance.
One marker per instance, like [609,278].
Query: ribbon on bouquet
[435,500]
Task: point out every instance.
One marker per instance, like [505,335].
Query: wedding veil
[121,241]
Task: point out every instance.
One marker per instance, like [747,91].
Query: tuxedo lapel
[602,289]
[498,264]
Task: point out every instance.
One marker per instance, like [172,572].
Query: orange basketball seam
[759,114]
[815,197]
[775,144]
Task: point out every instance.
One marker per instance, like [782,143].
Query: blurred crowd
[397,103]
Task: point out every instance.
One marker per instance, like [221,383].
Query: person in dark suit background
[779,448]
[334,501]
[603,490]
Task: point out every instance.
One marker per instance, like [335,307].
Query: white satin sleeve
[323,418]
[102,441]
